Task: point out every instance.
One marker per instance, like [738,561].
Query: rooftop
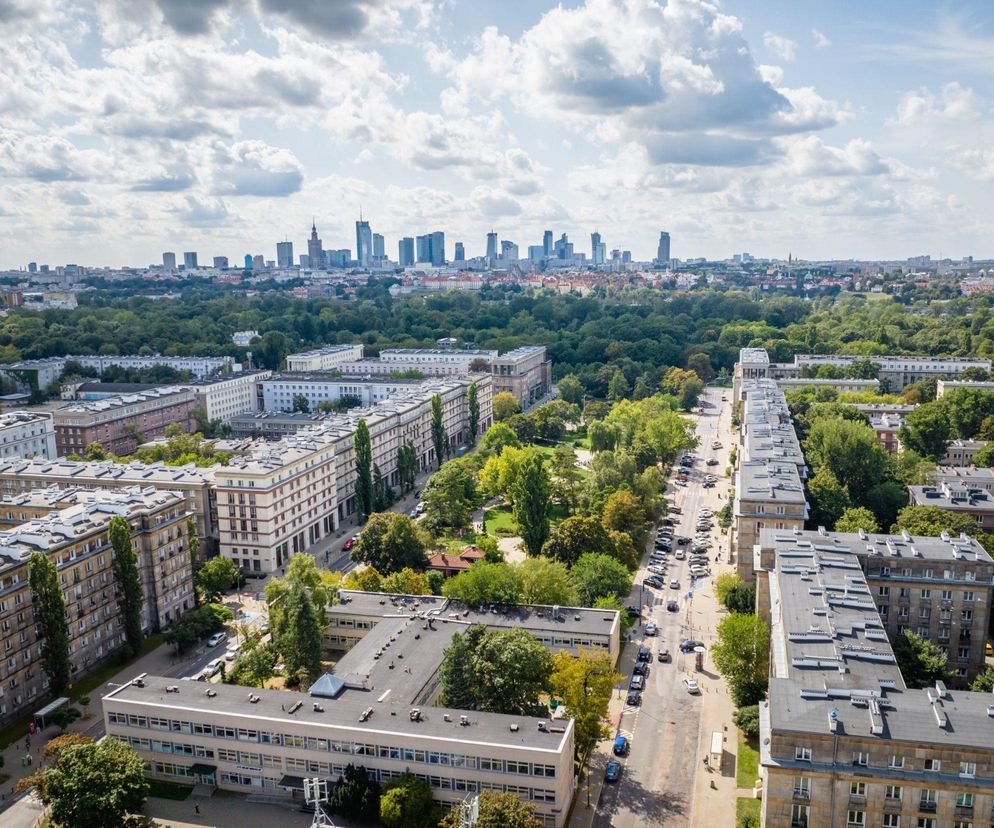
[161,392]
[271,707]
[468,352]
[9,419]
[754,356]
[336,379]
[768,481]
[953,496]
[80,470]
[328,349]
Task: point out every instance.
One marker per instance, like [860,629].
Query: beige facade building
[27,434]
[324,359]
[525,372]
[962,452]
[228,395]
[74,535]
[434,362]
[960,498]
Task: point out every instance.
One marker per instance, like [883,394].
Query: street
[657,784]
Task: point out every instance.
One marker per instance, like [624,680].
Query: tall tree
[485,583]
[300,636]
[504,405]
[130,598]
[827,499]
[570,389]
[618,388]
[599,576]
[364,469]
[473,403]
[927,430]
[390,542]
[95,785]
[511,670]
[566,475]
[855,518]
[741,655]
[623,513]
[545,581]
[850,450]
[531,503]
[584,684]
[50,614]
[407,466]
[498,810]
[449,496]
[439,439]
[406,803]
[456,671]
[216,577]
[194,541]
[921,662]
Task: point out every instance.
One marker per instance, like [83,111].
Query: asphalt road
[657,780]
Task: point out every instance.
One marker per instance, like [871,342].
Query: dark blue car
[620,746]
[612,773]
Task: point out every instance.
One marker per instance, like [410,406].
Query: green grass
[168,790]
[745,806]
[84,687]
[450,542]
[500,522]
[747,763]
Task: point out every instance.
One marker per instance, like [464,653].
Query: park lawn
[747,763]
[746,805]
[500,522]
[450,543]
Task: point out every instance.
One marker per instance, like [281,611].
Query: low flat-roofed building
[959,498]
[280,391]
[27,434]
[194,483]
[375,708]
[961,452]
[972,477]
[227,395]
[433,362]
[842,385]
[896,372]
[525,372]
[323,359]
[944,386]
[74,534]
[274,425]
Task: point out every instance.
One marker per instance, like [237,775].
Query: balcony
[928,806]
[801,795]
[857,800]
[892,806]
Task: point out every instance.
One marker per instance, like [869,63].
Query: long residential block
[27,434]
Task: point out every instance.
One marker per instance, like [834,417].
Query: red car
[348,544]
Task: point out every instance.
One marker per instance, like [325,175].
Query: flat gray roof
[342,714]
[769,481]
[956,498]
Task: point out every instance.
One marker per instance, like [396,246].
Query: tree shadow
[652,806]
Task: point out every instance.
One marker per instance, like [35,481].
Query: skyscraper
[284,254]
[405,251]
[190,261]
[424,248]
[258,262]
[460,254]
[363,242]
[315,250]
[437,248]
[378,245]
[663,251]
[168,262]
[563,247]
[221,262]
[598,250]
[491,246]
[547,242]
[508,251]
[248,261]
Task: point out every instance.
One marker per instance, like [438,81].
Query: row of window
[861,758]
[455,760]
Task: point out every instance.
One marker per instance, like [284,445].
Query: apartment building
[75,536]
[121,423]
[896,372]
[944,386]
[525,372]
[961,452]
[970,477]
[843,741]
[329,358]
[285,496]
[228,395]
[375,708]
[939,588]
[886,427]
[274,425]
[41,373]
[957,497]
[194,484]
[754,363]
[279,392]
[27,434]
[766,496]
[841,385]
[435,362]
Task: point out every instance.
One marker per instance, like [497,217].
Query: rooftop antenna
[469,812]
[316,794]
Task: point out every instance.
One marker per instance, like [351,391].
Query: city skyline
[770,127]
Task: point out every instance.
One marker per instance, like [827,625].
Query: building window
[802,754]
[798,816]
[928,800]
[856,819]
[860,758]
[802,787]
[892,821]
[857,789]
[933,765]
[893,792]
[968,769]
[896,762]
[964,800]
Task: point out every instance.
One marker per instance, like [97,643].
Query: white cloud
[257,169]
[952,102]
[977,162]
[782,47]
[809,156]
[821,42]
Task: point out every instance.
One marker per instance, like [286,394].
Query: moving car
[672,606]
[231,655]
[634,699]
[664,656]
[674,583]
[612,773]
[620,746]
[680,555]
[216,639]
[688,645]
[633,612]
[348,544]
[651,629]
[682,541]
[713,461]
[692,686]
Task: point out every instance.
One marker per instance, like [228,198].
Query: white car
[216,639]
[692,686]
[656,569]
[651,629]
[674,583]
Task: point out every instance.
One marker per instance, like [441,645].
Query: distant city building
[243,338]
[423,249]
[363,243]
[460,254]
[284,254]
[221,262]
[429,361]
[508,251]
[564,248]
[305,261]
[248,261]
[525,372]
[258,262]
[436,247]
[536,252]
[315,250]
[190,261]
[598,250]
[168,261]
[405,251]
[491,246]
[379,253]
[323,359]
[547,242]
[33,266]
[663,250]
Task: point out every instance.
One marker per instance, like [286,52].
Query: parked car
[651,629]
[634,699]
[612,773]
[672,606]
[348,544]
[620,746]
[231,655]
[656,569]
[644,654]
[633,612]
[680,555]
[681,541]
[637,683]
[674,583]
[692,686]
[713,461]
[641,669]
[216,639]
[654,581]
[664,656]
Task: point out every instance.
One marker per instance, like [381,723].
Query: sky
[774,127]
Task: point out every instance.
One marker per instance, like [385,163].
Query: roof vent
[464,721]
[940,688]
[514,728]
[172,688]
[365,714]
[295,707]
[542,726]
[211,693]
[415,714]
[447,717]
[253,699]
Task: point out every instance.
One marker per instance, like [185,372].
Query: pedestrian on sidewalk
[196,810]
